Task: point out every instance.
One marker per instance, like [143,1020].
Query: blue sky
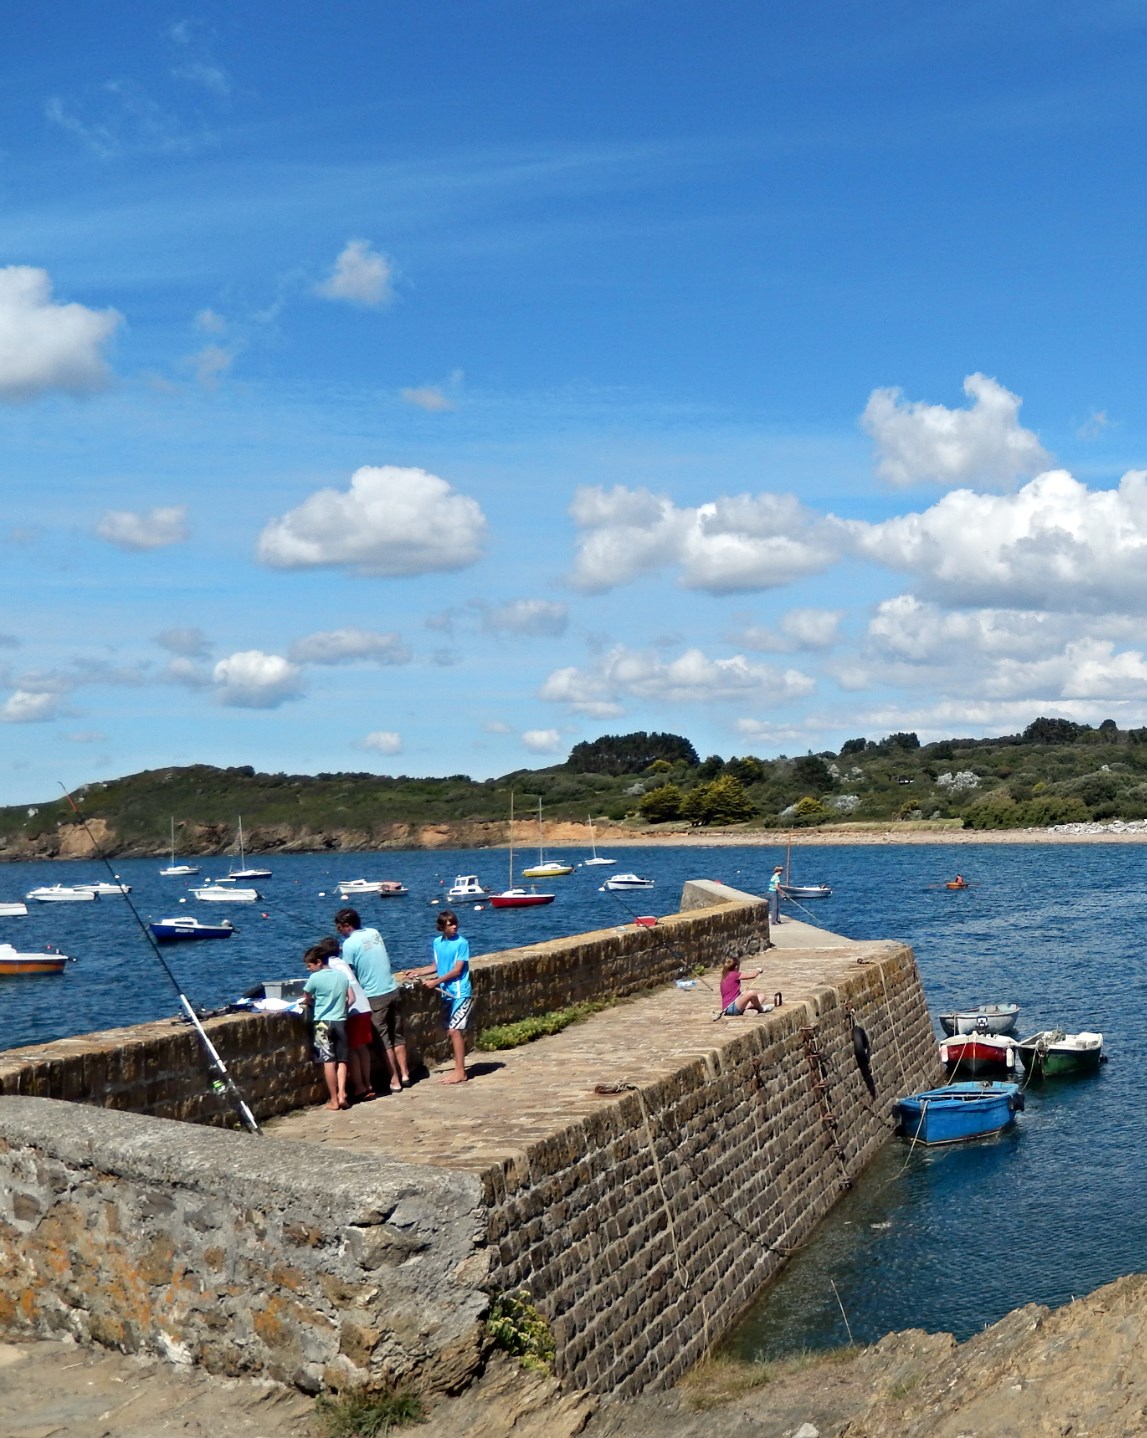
[424,389]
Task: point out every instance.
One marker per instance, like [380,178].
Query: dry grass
[719,1379]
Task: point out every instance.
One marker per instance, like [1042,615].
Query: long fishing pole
[216,1063]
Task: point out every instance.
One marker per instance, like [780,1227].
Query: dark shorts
[386,1015]
[330,1042]
[358,1030]
[456,1013]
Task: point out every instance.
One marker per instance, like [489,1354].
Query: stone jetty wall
[644,1231]
[212,1247]
[159,1068]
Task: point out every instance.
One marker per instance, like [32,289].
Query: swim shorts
[330,1042]
[456,1013]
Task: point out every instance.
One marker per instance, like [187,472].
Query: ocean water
[947,1239]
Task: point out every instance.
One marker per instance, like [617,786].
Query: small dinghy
[979,1053]
[183,926]
[13,910]
[13,964]
[103,886]
[959,1112]
[805,891]
[1053,1053]
[987,1019]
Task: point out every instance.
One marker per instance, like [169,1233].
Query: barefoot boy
[452,980]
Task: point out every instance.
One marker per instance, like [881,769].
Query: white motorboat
[62,894]
[104,887]
[174,870]
[597,859]
[626,881]
[243,872]
[226,894]
[12,910]
[358,886]
[466,890]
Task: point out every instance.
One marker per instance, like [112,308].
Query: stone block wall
[643,1231]
[240,1254]
[159,1068]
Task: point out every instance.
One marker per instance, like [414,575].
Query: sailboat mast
[510,885]
[541,834]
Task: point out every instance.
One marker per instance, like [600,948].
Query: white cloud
[391,523]
[691,678]
[538,617]
[383,741]
[24,707]
[361,276]
[984,445]
[254,680]
[497,726]
[1054,544]
[542,741]
[188,672]
[428,397]
[210,322]
[46,346]
[738,543]
[798,629]
[160,527]
[349,646]
[1094,425]
[210,363]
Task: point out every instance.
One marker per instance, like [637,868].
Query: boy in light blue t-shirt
[451,977]
[325,998]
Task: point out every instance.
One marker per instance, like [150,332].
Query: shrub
[366,1414]
[516,1326]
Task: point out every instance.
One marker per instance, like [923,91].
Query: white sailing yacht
[545,868]
[243,872]
[597,858]
[174,870]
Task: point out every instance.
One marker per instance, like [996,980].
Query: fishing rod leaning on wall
[215,1063]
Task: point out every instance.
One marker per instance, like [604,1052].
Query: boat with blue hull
[172,931]
[958,1112]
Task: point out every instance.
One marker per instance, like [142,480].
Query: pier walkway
[519,1096]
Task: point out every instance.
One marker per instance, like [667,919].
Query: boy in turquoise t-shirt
[325,998]
[451,977]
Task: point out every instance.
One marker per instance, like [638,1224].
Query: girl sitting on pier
[733,1001]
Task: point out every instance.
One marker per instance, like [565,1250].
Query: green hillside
[1054,772]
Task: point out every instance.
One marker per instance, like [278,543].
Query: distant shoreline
[833,838]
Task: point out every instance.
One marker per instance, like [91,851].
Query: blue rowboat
[958,1112]
[170,931]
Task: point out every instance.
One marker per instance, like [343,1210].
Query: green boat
[1053,1053]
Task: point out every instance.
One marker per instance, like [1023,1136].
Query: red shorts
[359,1030]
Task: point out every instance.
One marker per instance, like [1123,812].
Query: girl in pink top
[733,1001]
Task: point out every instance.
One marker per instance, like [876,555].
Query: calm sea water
[944,1239]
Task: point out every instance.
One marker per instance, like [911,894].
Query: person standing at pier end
[364,950]
[775,895]
[325,997]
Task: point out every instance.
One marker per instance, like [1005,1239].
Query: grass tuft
[363,1413]
[525,1031]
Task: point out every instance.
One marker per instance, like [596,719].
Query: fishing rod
[215,1063]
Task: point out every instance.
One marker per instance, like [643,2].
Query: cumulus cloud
[191,673]
[691,678]
[542,741]
[907,629]
[251,679]
[361,276]
[167,524]
[26,707]
[798,629]
[383,741]
[983,445]
[210,364]
[739,543]
[535,617]
[48,346]
[349,646]
[1054,544]
[392,522]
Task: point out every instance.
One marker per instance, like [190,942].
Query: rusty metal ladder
[822,1088]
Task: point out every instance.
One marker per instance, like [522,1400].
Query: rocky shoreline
[212,841]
